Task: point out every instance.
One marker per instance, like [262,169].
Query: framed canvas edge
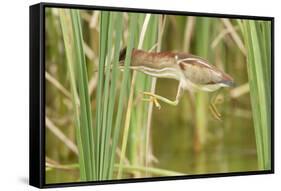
[36,96]
[154,179]
[37,88]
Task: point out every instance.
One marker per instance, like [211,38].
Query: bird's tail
[122,55]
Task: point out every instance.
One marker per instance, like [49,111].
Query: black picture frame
[37,95]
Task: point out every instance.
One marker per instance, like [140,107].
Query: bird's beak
[229,83]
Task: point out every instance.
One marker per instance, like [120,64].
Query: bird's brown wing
[200,72]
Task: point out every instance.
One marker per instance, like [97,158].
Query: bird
[192,72]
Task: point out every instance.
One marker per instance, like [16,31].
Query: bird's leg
[155,98]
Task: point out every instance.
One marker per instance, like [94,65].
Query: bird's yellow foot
[218,99]
[152,98]
[215,112]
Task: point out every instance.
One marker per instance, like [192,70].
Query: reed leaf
[76,64]
[257,40]
[104,136]
[104,20]
[118,20]
[202,49]
[132,31]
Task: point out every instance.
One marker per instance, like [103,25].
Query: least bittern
[192,72]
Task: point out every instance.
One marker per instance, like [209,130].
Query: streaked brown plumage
[193,72]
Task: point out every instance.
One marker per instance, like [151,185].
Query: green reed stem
[257,40]
[73,41]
